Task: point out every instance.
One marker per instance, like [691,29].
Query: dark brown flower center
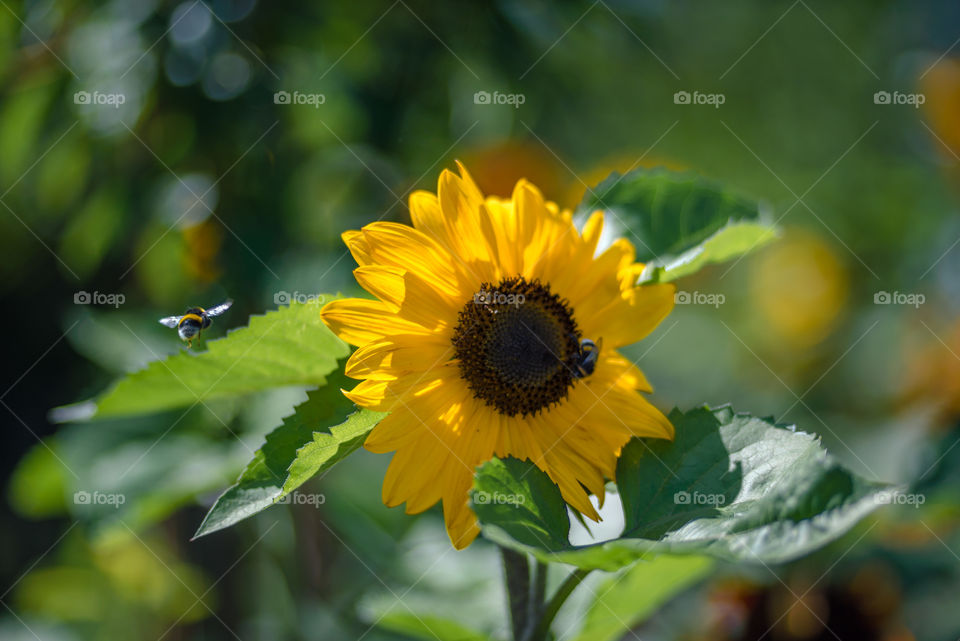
[518,346]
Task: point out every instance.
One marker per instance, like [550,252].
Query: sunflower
[494,333]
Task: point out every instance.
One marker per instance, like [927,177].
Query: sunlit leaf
[289,346]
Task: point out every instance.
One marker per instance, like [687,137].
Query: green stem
[516,573]
[538,591]
[550,611]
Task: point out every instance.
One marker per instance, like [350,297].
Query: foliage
[730,486]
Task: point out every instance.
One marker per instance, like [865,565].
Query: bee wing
[170,321]
[219,309]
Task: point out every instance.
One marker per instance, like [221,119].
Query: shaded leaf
[321,432]
[500,495]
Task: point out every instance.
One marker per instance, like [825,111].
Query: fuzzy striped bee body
[194,321]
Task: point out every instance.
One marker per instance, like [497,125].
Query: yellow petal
[359,321]
[405,247]
[412,474]
[616,406]
[394,431]
[617,370]
[410,296]
[384,395]
[399,355]
[462,526]
[595,284]
[630,317]
[358,246]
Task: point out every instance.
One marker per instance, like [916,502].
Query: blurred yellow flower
[941,87]
[800,288]
[479,345]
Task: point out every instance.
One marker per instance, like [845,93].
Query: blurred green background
[157,155]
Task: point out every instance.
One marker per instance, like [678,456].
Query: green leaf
[731,486]
[428,627]
[38,485]
[500,495]
[679,222]
[731,241]
[321,432]
[628,599]
[289,346]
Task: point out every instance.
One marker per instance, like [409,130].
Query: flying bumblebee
[587,361]
[194,321]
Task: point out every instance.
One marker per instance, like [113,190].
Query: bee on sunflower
[485,340]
